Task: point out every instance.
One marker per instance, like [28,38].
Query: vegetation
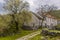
[13,37]
[7,28]
[12,24]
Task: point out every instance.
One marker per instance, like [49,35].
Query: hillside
[56,13]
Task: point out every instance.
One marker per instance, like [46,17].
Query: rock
[44,32]
[53,34]
[47,33]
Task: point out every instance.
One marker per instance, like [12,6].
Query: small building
[34,23]
[50,21]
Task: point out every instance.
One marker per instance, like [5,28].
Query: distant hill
[56,13]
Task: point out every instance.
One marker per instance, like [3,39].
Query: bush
[57,27]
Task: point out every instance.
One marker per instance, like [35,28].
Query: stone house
[49,21]
[34,23]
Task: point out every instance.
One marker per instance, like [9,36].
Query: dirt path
[29,36]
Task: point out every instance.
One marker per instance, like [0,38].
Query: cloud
[56,2]
[37,3]
[1,1]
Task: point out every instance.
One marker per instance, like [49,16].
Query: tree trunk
[42,23]
[14,21]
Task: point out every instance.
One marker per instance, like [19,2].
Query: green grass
[38,37]
[23,33]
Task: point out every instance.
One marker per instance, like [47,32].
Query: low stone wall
[47,33]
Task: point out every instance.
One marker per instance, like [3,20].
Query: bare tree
[44,9]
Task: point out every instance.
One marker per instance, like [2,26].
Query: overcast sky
[34,3]
[1,1]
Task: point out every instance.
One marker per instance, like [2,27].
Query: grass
[23,33]
[37,37]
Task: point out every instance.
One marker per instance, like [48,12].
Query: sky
[1,1]
[35,3]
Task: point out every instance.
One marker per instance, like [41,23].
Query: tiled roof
[50,16]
